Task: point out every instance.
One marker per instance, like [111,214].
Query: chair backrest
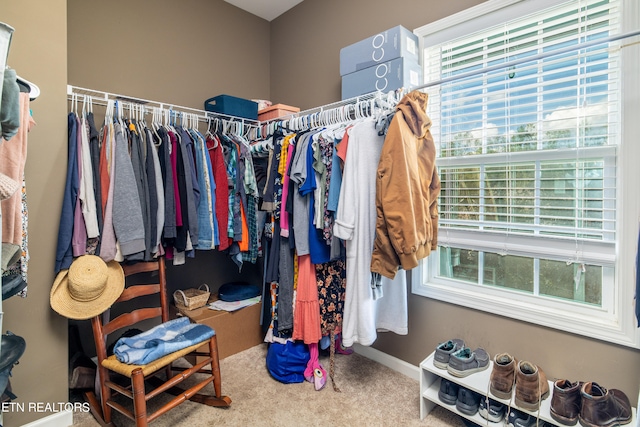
[103,326]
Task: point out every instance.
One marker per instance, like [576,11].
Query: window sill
[591,322]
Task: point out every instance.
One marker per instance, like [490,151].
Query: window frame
[617,323]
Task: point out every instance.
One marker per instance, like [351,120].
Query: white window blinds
[527,153]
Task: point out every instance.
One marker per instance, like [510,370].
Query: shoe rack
[430,378]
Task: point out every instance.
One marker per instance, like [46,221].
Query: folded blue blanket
[161,340]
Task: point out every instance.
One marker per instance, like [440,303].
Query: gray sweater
[127,213]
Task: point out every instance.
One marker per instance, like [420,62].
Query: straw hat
[89,287]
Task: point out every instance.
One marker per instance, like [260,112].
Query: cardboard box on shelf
[396,42]
[275,111]
[384,77]
[236,330]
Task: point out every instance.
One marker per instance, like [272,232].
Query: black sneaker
[448,392]
[494,413]
[520,419]
[468,401]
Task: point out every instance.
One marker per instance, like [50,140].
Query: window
[528,105]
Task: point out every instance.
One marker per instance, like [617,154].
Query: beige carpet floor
[371,395]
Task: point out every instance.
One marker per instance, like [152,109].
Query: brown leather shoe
[565,402]
[602,407]
[531,386]
[502,376]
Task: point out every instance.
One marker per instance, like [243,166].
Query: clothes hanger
[118,111]
[363,108]
[108,116]
[239,129]
[195,122]
[169,120]
[34,90]
[247,133]
[208,133]
[325,117]
[142,117]
[216,129]
[155,124]
[84,107]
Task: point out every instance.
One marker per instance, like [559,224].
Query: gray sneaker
[444,351]
[468,401]
[466,362]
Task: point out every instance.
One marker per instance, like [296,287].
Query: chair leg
[139,401]
[105,394]
[215,366]
[96,409]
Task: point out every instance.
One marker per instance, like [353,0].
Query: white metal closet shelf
[102,98]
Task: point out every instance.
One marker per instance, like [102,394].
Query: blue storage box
[232,106]
[393,43]
[384,77]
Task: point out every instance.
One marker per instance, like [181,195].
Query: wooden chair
[141,374]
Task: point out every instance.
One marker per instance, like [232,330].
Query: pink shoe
[319,378]
[340,349]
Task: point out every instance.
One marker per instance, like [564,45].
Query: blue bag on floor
[287,362]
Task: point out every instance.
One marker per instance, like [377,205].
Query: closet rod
[567,49]
[372,95]
[337,104]
[105,96]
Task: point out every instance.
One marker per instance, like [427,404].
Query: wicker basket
[190,299]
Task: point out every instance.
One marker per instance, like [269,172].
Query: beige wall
[38,53]
[305,46]
[180,52]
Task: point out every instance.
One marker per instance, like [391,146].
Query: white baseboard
[59,419]
[389,361]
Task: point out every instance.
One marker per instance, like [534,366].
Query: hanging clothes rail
[367,105]
[334,106]
[101,98]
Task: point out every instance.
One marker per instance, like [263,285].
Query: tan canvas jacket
[407,189]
